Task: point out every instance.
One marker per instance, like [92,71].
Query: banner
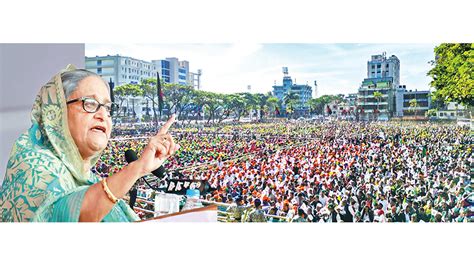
[179,186]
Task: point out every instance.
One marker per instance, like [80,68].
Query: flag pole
[160,96]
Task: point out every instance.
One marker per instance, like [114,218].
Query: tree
[453,73]
[291,100]
[314,104]
[414,106]
[127,90]
[251,102]
[198,101]
[211,102]
[148,90]
[377,95]
[431,113]
[317,104]
[178,97]
[262,100]
[232,103]
[272,103]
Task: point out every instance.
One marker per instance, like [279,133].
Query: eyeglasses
[92,106]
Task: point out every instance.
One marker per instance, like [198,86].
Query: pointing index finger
[164,129]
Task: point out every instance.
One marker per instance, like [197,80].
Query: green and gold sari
[45,180]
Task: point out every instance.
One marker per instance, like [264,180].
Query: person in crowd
[256,214]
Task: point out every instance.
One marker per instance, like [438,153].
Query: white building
[383,76]
[452,111]
[380,66]
[174,71]
[121,69]
[127,70]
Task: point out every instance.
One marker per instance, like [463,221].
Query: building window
[99,62]
[99,70]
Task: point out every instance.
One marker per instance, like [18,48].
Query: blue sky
[228,68]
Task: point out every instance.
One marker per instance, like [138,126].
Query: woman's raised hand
[159,148]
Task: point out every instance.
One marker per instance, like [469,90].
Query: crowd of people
[325,172]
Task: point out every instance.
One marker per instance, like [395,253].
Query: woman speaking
[48,176]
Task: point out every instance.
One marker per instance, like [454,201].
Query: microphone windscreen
[130,156]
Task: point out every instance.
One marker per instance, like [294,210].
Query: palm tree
[414,107]
[377,96]
[290,100]
[272,103]
[262,102]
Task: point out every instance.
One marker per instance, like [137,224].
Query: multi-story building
[352,99]
[173,71]
[127,70]
[452,111]
[380,66]
[195,79]
[422,105]
[304,93]
[376,97]
[120,69]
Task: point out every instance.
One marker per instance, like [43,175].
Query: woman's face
[90,131]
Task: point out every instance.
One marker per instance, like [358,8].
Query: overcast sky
[229,68]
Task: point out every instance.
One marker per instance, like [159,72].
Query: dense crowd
[326,172]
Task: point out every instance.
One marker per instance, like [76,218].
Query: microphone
[131,156]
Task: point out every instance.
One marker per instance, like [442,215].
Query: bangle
[111,197]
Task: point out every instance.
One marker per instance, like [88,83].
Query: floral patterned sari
[45,180]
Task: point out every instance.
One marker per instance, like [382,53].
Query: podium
[202,214]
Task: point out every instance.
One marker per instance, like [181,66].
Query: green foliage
[377,95]
[317,104]
[272,103]
[431,112]
[178,97]
[126,90]
[291,101]
[413,104]
[453,74]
